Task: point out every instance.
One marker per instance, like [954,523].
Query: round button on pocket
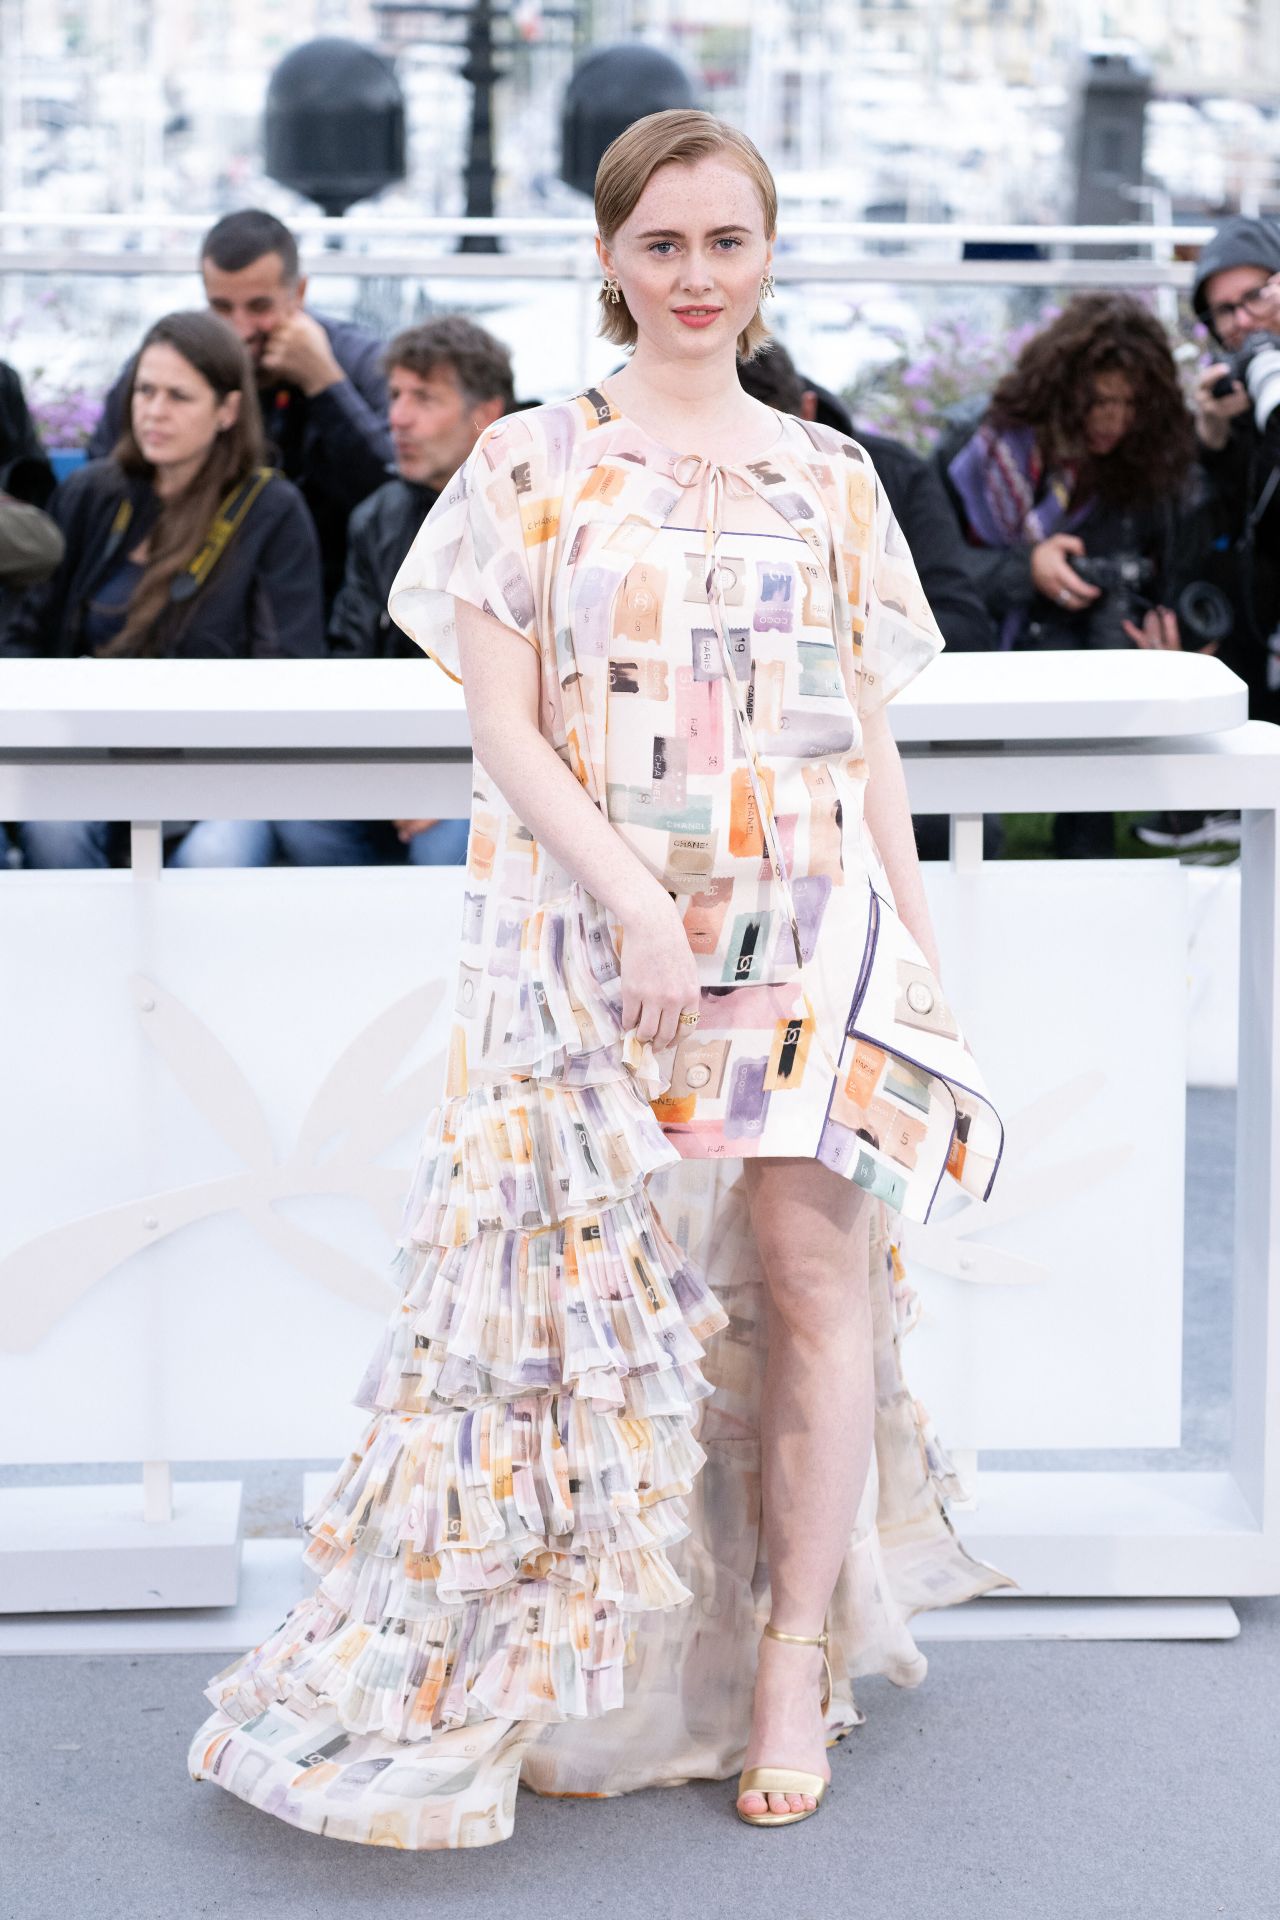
[920,997]
[698,1074]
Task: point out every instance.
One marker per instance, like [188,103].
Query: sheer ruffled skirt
[542,1559]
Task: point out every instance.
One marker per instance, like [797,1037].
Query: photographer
[1237,296]
[1068,495]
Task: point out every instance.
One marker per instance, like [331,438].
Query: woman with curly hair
[1084,450]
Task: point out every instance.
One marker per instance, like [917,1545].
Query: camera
[1122,580]
[1239,362]
[1205,614]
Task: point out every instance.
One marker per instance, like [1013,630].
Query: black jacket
[380,533]
[335,447]
[25,473]
[261,599]
[25,477]
[1243,510]
[923,511]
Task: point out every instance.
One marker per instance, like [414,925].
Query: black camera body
[1115,572]
[1122,580]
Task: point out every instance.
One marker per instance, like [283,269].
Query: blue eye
[728,240]
[658,243]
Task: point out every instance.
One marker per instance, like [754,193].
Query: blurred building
[893,109]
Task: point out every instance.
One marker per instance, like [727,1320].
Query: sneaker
[1190,830]
[1219,856]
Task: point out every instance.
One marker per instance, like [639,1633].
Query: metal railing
[375,245]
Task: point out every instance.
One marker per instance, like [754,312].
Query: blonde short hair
[682,135]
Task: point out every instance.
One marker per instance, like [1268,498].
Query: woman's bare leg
[816,1431]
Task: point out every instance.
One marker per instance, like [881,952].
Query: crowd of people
[260,470]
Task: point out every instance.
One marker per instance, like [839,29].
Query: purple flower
[66,417]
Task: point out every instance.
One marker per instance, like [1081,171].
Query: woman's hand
[1160,629]
[659,974]
[1053,577]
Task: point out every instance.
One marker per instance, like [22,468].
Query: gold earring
[611,291]
[766,287]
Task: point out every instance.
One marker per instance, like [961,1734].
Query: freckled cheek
[649,292]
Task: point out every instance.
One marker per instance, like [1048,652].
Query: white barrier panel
[1053,1311]
[213,1083]
[1213,975]
[221,1110]
[206,1171]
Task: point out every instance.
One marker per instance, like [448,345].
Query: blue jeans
[246,843]
[361,843]
[91,843]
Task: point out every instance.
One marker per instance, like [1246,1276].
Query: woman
[676,958]
[181,544]
[1086,448]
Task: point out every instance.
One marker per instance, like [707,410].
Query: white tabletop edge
[88,704]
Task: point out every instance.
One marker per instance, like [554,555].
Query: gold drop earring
[610,291]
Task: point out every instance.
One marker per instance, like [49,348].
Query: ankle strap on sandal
[797,1639]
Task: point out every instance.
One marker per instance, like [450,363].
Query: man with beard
[320,381]
[447,380]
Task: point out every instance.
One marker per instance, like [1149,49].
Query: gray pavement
[1060,1780]
[1054,1778]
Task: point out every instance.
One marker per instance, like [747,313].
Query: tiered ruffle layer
[510,1511]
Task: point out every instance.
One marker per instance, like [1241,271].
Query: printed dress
[542,1560]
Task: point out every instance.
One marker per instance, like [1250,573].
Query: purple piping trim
[863,980]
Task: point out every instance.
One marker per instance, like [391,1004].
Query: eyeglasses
[1248,303]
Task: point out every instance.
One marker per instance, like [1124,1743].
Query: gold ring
[688,1019]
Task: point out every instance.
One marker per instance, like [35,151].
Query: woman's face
[1110,414]
[177,415]
[691,258]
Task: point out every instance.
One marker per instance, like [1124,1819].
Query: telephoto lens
[1205,615]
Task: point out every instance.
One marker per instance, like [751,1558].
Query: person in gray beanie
[1237,412]
[1237,297]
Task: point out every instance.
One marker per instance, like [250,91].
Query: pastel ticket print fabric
[542,1562]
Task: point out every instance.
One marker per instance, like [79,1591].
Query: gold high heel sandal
[766,1780]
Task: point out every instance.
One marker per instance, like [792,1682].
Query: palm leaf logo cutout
[949,1246]
[357,1111]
